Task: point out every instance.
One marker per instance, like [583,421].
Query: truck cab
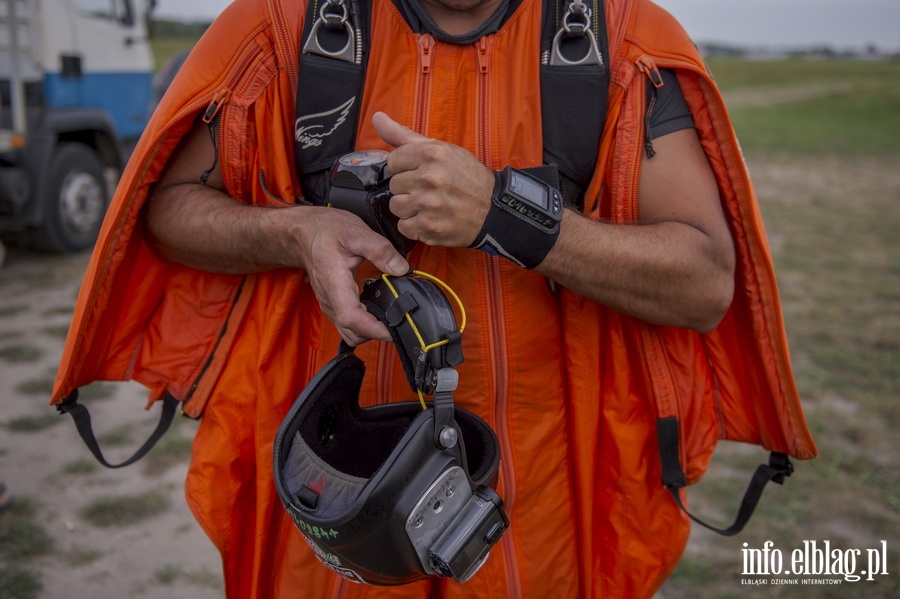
[75,96]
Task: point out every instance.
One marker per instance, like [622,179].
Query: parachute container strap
[779,467]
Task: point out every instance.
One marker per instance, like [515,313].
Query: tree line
[172,28]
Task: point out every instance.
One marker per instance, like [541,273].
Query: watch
[523,222]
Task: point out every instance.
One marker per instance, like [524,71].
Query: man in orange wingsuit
[216,284]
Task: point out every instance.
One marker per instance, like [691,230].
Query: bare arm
[675,267]
[202,227]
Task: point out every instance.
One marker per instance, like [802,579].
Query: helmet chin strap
[445,434]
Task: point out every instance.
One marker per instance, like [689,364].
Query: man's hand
[202,227]
[332,249]
[442,193]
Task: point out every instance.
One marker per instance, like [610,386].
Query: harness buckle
[333,17]
[447,380]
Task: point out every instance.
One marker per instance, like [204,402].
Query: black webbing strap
[402,305]
[82,420]
[573,94]
[776,470]
[329,94]
[409,366]
[443,414]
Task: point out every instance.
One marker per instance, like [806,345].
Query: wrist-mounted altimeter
[361,184]
[523,222]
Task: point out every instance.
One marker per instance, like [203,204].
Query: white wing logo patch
[311,129]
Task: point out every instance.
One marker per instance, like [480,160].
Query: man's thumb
[380,252]
[392,132]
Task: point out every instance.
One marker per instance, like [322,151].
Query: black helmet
[393,493]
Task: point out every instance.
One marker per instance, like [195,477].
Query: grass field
[841,242]
[820,108]
[732,73]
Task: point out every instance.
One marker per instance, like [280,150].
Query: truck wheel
[76,200]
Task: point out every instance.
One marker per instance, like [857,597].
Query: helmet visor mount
[392,493]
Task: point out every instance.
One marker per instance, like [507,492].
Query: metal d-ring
[332,20]
[576,23]
[577,10]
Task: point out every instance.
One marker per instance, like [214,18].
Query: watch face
[364,158]
[529,190]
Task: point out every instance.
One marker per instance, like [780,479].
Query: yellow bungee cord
[412,324]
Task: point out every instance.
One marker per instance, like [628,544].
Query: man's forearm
[667,273]
[203,228]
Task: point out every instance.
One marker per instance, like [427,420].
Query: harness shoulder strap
[332,63]
[574,87]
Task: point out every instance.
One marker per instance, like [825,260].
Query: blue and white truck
[75,95]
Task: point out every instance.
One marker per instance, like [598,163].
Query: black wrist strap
[513,236]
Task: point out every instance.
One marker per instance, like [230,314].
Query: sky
[783,23]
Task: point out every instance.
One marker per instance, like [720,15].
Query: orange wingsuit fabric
[573,389]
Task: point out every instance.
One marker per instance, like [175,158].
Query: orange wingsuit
[572,388]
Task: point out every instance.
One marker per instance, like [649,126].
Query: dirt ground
[164,556]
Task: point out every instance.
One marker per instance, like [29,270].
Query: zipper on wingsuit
[571,141]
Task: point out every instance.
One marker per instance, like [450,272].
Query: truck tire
[76,200]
